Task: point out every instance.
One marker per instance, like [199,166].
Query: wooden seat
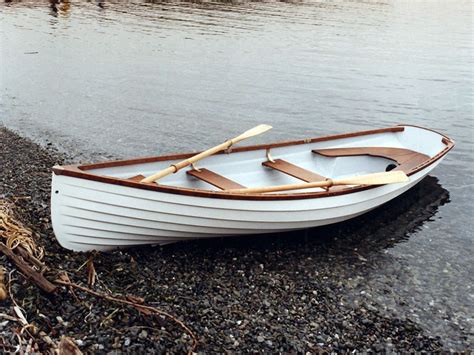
[405,158]
[136,178]
[214,179]
[298,172]
[293,170]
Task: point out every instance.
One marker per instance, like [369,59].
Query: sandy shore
[291,292]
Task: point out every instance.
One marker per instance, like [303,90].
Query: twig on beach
[147,310]
[91,273]
[26,327]
[30,258]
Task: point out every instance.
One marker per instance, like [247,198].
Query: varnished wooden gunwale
[114,163]
[80,171]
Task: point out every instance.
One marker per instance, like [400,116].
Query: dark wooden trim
[111,164]
[446,141]
[81,172]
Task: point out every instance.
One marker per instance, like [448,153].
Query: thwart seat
[298,172]
[293,170]
[205,175]
[214,179]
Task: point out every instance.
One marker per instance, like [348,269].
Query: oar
[227,144]
[370,179]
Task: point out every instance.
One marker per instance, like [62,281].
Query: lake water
[101,79]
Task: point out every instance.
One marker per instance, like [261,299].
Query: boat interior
[404,148]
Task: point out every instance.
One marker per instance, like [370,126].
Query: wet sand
[289,292]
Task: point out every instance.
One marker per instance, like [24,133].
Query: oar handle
[184,163]
[175,167]
[383,178]
[264,189]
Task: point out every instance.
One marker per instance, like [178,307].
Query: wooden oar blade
[262,128]
[390,177]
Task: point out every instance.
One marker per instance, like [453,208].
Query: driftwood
[30,258]
[28,271]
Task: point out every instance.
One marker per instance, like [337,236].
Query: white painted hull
[93,215]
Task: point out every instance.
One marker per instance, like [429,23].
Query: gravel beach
[289,292]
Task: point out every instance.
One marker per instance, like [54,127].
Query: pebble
[143,334]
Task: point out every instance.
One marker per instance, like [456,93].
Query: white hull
[90,215]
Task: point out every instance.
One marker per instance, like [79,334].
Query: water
[103,79]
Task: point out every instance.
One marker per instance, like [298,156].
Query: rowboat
[236,191]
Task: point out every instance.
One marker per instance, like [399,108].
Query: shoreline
[277,293]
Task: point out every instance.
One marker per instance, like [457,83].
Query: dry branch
[27,270]
[147,310]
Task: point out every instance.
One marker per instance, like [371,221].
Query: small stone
[260,338]
[143,334]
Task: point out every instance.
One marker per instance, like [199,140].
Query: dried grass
[15,233]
